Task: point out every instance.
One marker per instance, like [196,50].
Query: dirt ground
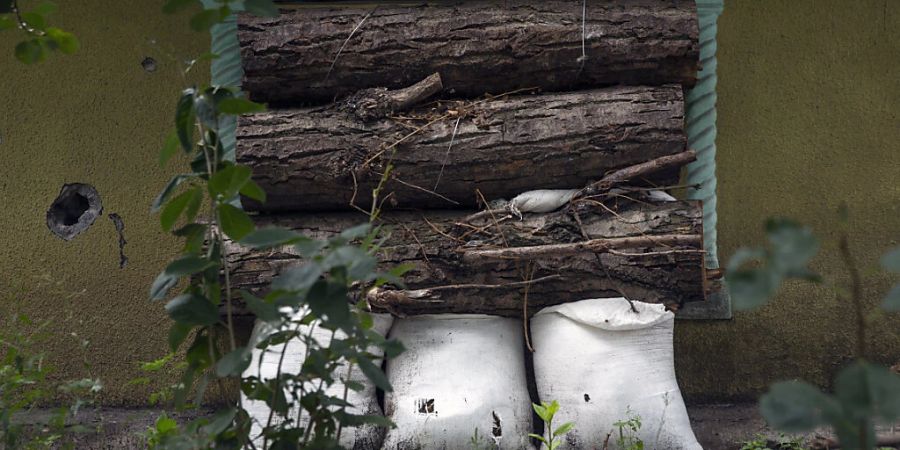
[717,426]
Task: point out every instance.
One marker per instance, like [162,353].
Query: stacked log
[652,252]
[319,54]
[385,106]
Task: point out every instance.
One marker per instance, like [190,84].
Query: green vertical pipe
[226,70]
[700,123]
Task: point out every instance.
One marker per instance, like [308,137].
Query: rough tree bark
[318,54]
[318,158]
[647,252]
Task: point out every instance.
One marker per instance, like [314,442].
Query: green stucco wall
[808,117]
[96,117]
[809,98]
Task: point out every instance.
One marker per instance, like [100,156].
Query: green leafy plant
[201,206]
[24,384]
[626,433]
[41,39]
[481,442]
[760,442]
[864,393]
[554,438]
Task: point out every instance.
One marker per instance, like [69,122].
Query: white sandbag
[367,437]
[542,200]
[458,373]
[600,359]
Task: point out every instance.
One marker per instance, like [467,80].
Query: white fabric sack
[600,359]
[542,200]
[364,402]
[458,373]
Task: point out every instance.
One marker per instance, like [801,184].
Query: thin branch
[589,246]
[338,55]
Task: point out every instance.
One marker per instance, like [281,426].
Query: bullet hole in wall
[149,64]
[74,210]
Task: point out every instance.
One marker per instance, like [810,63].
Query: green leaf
[228,182]
[219,422]
[67,42]
[167,191]
[751,288]
[374,374]
[233,363]
[891,260]
[793,406]
[169,149]
[189,265]
[204,20]
[268,237]
[173,6]
[252,190]
[30,51]
[262,8]
[538,437]
[193,206]
[45,8]
[178,332]
[892,299]
[173,209]
[161,286]
[237,105]
[263,310]
[355,420]
[564,428]
[192,309]
[541,411]
[867,391]
[234,222]
[34,20]
[793,245]
[6,22]
[184,119]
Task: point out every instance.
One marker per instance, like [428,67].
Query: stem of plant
[859,309]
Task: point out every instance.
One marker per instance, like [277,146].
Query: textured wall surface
[809,99]
[95,117]
[809,116]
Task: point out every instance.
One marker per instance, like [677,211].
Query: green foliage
[546,411]
[626,435]
[864,393]
[40,39]
[200,206]
[762,443]
[754,275]
[24,383]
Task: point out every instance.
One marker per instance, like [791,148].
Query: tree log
[322,158]
[321,53]
[649,252]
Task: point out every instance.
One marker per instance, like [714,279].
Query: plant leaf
[252,190]
[67,42]
[374,374]
[892,299]
[233,363]
[794,406]
[262,8]
[234,222]
[891,260]
[268,237]
[237,105]
[30,51]
[169,149]
[173,209]
[192,309]
[184,119]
